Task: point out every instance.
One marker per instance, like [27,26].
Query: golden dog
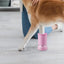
[44,12]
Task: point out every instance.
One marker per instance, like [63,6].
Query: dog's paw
[20,49]
[61,31]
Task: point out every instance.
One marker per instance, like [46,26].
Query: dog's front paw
[22,46]
[20,49]
[61,31]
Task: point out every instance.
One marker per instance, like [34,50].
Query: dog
[43,13]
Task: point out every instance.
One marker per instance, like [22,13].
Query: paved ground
[11,38]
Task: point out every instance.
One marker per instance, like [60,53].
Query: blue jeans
[26,24]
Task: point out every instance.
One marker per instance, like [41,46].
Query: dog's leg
[31,32]
[41,29]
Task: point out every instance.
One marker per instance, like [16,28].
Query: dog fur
[44,12]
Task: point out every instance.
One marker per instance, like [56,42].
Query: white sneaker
[60,26]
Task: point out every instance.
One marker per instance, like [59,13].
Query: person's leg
[25,21]
[48,30]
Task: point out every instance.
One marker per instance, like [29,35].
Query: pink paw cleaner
[42,42]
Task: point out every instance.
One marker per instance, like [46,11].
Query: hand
[35,2]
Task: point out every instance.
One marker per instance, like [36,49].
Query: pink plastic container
[42,42]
